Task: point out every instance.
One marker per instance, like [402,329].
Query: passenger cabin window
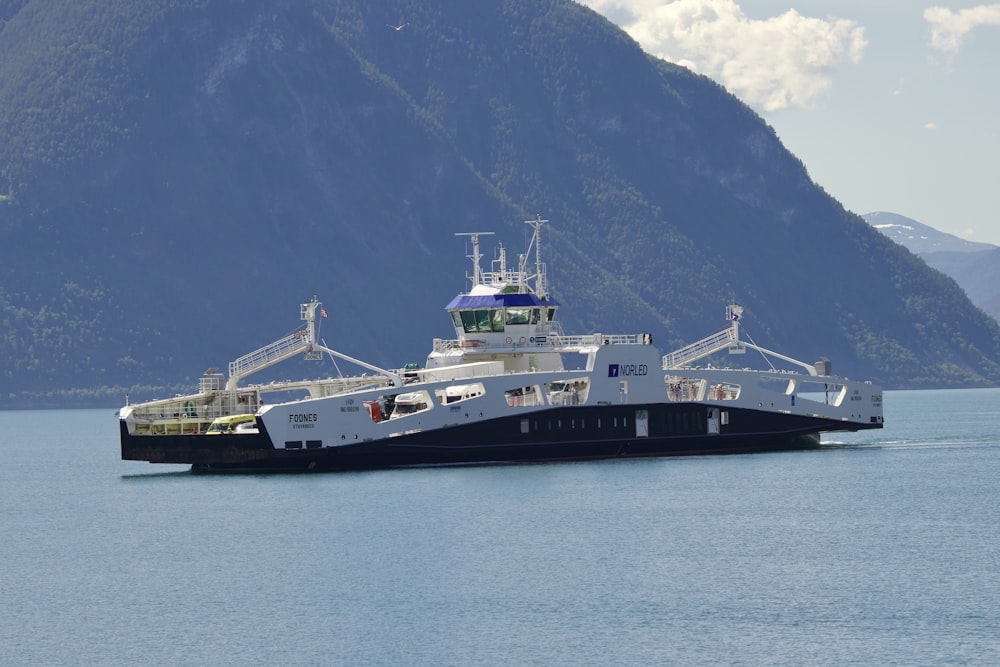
[568,392]
[409,403]
[408,408]
[459,392]
[524,396]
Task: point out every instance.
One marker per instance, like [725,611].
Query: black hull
[562,434]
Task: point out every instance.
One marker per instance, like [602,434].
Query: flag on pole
[322,311]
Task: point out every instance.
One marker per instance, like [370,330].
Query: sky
[893,105]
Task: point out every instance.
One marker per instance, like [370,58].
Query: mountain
[974,266]
[177,175]
[919,238]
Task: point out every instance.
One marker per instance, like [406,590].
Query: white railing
[552,342]
[198,408]
[269,354]
[699,349]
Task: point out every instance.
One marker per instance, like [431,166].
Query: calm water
[881,549]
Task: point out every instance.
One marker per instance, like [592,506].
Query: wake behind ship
[510,387]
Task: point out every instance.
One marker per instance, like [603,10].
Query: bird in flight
[399,27]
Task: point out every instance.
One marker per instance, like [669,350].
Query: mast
[536,240]
[503,262]
[476,255]
[733,313]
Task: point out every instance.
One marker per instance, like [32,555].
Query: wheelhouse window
[479,321]
[518,315]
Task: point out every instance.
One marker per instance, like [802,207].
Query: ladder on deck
[699,349]
[270,354]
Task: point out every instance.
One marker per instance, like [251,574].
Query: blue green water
[882,548]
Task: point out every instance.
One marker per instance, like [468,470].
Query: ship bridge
[505,305]
[490,316]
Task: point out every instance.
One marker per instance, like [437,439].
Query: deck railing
[552,342]
[269,354]
[698,349]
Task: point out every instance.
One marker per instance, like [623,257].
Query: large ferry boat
[509,387]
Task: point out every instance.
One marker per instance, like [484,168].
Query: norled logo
[626,370]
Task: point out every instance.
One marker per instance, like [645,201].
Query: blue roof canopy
[513,300]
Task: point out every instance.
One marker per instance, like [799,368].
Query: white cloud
[949,28]
[930,125]
[776,63]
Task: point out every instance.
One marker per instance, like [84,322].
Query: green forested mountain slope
[178,175]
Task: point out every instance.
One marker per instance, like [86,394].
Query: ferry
[510,386]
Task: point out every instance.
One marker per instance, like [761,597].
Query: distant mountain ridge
[918,237]
[177,175]
[974,266]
